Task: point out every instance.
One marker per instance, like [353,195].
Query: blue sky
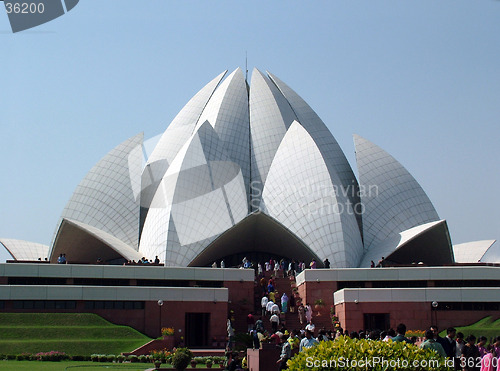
[419,78]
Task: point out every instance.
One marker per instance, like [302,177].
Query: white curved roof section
[25,250]
[227,112]
[427,243]
[172,140]
[393,200]
[334,157]
[82,243]
[300,194]
[270,118]
[472,252]
[229,147]
[492,255]
[107,197]
[201,195]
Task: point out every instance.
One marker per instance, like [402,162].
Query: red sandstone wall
[241,301]
[173,315]
[312,291]
[416,316]
[147,321]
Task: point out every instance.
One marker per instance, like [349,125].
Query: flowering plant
[335,319]
[167,331]
[161,355]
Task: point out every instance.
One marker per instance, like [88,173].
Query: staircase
[291,320]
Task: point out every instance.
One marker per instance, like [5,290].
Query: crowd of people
[273,305]
[469,354]
[143,261]
[465,354]
[61,259]
[291,341]
[280,268]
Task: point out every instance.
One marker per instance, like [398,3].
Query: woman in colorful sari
[487,363]
[309,312]
[284,303]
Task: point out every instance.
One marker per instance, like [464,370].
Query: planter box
[261,359]
[169,341]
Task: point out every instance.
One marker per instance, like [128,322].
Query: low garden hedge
[360,354]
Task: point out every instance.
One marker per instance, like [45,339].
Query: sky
[421,79]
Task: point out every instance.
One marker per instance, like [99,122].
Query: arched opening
[258,237]
[84,244]
[432,247]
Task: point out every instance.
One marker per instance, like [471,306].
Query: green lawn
[74,334]
[70,366]
[484,327]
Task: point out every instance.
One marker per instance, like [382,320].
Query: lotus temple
[247,169]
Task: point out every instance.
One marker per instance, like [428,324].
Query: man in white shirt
[275,321]
[269,306]
[263,304]
[308,341]
[230,335]
[310,326]
[275,309]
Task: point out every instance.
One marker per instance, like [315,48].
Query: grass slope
[484,327]
[74,334]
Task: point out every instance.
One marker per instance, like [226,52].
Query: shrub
[10,357]
[334,355]
[111,357]
[133,359]
[94,357]
[24,357]
[218,359]
[143,359]
[51,356]
[103,358]
[243,341]
[181,358]
[199,360]
[120,358]
[77,358]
